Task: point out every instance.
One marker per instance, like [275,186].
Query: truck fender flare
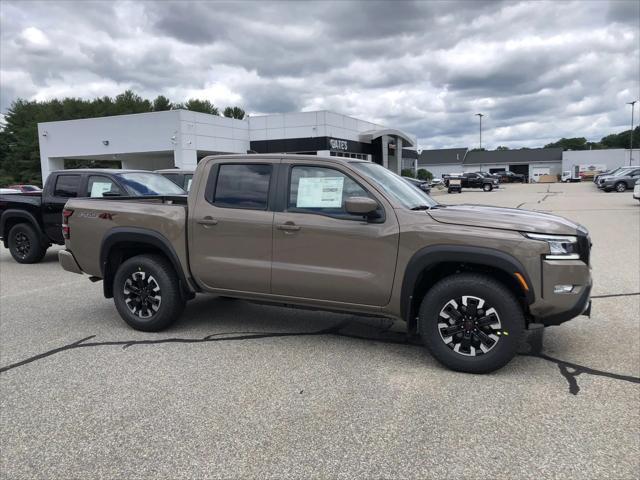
[429,257]
[14,213]
[139,236]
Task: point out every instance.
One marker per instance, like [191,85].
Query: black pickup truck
[31,222]
[473,180]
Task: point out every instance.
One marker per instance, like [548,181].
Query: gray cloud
[538,70]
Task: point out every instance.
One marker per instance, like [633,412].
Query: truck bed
[95,219]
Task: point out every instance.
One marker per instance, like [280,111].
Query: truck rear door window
[67,186]
[243,186]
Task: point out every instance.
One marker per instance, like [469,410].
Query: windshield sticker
[320,192]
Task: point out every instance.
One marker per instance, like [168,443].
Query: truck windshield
[395,186]
[141,184]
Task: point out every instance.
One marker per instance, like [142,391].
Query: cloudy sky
[538,71]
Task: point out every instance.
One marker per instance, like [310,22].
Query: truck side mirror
[360,205]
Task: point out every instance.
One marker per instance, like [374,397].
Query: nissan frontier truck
[336,234]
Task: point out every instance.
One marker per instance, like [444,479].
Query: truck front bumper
[555,305]
[68,262]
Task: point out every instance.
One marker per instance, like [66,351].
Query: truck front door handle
[289,227]
[207,221]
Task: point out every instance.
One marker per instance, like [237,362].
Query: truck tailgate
[93,220]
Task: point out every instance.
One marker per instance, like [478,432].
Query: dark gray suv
[620,181]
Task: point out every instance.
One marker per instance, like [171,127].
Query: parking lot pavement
[243,390]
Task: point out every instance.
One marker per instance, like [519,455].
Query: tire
[487,187]
[501,336]
[620,187]
[160,303]
[25,244]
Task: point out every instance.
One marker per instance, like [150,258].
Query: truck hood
[504,218]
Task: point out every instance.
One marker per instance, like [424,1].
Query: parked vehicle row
[31,222]
[619,180]
[336,234]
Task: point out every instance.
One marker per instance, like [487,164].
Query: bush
[424,174]
[407,172]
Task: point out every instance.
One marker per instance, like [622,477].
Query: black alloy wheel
[147,293]
[471,322]
[142,294]
[25,244]
[469,326]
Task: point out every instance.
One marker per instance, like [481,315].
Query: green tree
[161,103]
[202,106]
[234,112]
[622,139]
[424,174]
[501,147]
[128,102]
[407,172]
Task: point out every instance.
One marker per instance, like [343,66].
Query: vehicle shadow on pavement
[244,321]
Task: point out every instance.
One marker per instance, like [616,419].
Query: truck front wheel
[487,187]
[25,244]
[146,291]
[471,323]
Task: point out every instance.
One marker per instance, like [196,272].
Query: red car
[26,188]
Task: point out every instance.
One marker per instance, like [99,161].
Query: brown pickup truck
[341,235]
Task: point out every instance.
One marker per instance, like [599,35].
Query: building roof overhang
[370,135]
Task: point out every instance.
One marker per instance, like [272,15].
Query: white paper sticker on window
[99,188]
[320,192]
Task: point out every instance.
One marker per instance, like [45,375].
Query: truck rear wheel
[146,291]
[471,323]
[25,244]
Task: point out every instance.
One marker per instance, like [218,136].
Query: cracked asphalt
[237,390]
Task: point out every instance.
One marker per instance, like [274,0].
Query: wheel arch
[12,217]
[122,243]
[430,264]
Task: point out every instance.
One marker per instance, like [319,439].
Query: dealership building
[180,138]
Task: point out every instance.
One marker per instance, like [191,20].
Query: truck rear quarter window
[243,186]
[67,186]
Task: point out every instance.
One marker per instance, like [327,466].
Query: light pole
[479,115]
[633,104]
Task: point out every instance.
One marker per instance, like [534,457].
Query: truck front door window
[322,190]
[97,186]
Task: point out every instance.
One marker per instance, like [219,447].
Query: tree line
[20,151]
[19,147]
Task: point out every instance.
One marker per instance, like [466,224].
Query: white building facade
[180,138]
[598,160]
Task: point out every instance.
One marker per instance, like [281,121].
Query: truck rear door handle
[289,227]
[207,221]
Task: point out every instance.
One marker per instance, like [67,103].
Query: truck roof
[101,170]
[257,157]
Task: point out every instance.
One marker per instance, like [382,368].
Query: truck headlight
[561,247]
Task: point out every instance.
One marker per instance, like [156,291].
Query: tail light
[66,230]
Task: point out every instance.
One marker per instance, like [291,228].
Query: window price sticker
[320,192]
